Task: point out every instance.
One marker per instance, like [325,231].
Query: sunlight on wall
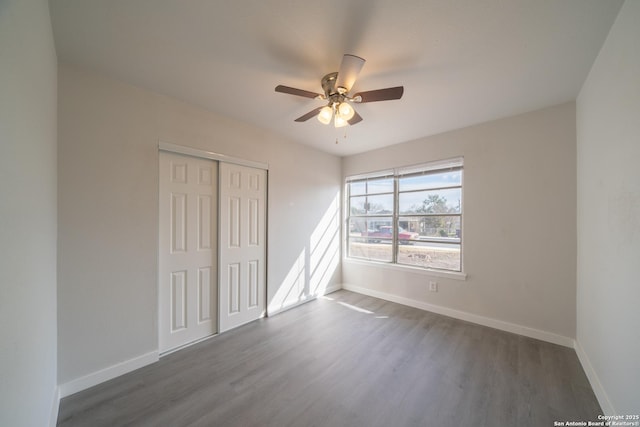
[291,289]
[311,272]
[325,249]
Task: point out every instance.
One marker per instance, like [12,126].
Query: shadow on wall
[311,273]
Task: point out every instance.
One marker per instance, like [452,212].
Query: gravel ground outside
[421,256]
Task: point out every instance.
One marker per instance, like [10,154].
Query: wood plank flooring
[348,360]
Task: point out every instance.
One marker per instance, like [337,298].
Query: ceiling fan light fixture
[336,87]
[339,121]
[325,115]
[346,111]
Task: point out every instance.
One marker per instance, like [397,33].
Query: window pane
[431,201]
[443,256]
[357,205]
[380,185]
[363,248]
[372,205]
[381,204]
[430,180]
[357,226]
[445,229]
[368,240]
[357,188]
[370,227]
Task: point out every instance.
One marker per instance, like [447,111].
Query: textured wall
[28,213]
[608,129]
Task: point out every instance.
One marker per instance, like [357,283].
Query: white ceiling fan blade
[348,73]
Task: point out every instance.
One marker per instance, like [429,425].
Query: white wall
[108,178]
[608,134]
[28,231]
[519,224]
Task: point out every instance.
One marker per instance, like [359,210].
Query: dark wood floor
[348,360]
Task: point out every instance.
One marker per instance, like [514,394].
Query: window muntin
[411,218]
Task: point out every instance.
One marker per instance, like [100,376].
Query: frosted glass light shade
[346,111]
[339,121]
[324,116]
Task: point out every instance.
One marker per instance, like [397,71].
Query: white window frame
[456,163]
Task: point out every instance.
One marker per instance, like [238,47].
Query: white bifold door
[212,257]
[243,196]
[188,271]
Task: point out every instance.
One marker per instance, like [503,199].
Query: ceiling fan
[336,87]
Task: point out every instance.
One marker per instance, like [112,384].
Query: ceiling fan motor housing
[329,84]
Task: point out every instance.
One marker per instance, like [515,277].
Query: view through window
[409,216]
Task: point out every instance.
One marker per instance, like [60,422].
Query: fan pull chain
[345,136]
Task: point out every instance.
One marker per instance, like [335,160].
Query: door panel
[243,196]
[178,300]
[188,250]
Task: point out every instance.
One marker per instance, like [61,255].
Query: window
[408,216]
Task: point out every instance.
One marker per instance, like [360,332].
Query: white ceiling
[461,61]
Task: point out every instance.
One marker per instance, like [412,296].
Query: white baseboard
[55,406]
[273,312]
[329,290]
[594,380]
[469,317]
[332,289]
[189,344]
[106,374]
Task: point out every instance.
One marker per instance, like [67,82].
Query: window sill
[455,275]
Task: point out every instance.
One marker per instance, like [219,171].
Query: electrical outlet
[433,286]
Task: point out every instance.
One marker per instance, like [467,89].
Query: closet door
[243,196]
[188,250]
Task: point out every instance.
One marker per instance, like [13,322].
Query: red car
[385,231]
